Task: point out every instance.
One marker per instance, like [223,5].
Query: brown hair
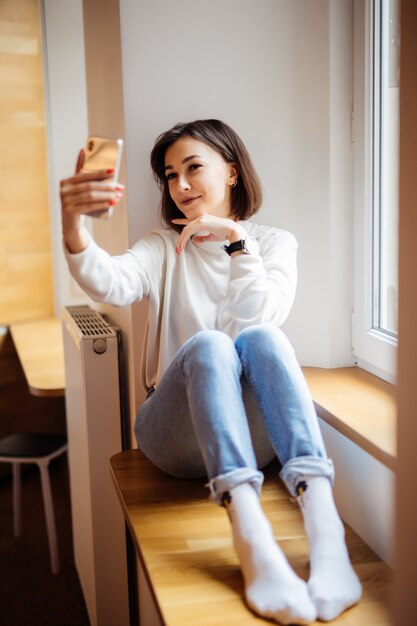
[246,197]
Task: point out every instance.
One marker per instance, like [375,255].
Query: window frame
[374,350]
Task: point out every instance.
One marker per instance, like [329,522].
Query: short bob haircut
[246,197]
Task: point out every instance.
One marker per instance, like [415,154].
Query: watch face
[251,245]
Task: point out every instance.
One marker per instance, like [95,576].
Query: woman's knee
[208,347]
[265,338]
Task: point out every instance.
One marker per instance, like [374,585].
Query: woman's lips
[188,201]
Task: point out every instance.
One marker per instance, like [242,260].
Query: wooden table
[39,345]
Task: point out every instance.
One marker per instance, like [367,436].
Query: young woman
[225,391]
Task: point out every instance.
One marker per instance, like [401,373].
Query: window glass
[385,165]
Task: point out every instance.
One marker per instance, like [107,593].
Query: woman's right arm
[102,277]
[81,194]
[118,280]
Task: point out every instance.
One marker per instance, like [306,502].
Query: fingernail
[110,171]
[112,202]
[119,195]
[120,186]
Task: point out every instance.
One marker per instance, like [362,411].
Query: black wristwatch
[248,245]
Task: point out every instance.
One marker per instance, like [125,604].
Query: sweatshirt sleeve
[261,288]
[118,280]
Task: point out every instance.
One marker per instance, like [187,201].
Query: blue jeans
[225,408]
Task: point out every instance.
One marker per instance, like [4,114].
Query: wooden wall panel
[405,582]
[25,248]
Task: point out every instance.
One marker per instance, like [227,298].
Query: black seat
[31,444]
[39,448]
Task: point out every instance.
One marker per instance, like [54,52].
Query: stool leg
[17,499]
[50,517]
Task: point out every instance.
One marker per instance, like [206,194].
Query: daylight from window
[385,165]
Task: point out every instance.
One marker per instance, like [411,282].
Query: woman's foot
[272,589]
[333,584]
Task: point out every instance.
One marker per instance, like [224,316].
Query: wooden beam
[405,596]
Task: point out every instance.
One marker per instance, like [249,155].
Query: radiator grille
[90,322]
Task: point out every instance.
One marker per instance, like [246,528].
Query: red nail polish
[112,202]
[110,171]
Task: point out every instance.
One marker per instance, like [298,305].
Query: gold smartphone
[103,153]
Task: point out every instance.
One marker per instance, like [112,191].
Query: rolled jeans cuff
[308,467]
[222,484]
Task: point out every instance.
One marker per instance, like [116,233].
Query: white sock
[272,588]
[333,584]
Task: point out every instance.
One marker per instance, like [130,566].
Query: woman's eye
[170,176]
[194,166]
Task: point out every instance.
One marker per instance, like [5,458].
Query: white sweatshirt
[202,288]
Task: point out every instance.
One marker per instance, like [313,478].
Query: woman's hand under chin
[208,227]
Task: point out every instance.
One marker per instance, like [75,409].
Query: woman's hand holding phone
[86,193]
[103,154]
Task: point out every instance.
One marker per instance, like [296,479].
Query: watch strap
[234,247]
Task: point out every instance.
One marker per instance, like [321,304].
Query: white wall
[66,113]
[364,492]
[281,74]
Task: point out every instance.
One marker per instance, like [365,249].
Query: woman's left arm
[261,288]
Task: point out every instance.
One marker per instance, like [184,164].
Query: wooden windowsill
[359,405]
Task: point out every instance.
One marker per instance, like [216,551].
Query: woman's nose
[183,183]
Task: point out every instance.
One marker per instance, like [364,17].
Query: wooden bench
[188,572]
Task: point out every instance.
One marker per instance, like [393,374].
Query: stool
[39,448]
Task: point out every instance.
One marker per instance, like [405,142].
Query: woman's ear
[233,174]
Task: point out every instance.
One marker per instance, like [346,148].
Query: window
[375,137]
[385,165]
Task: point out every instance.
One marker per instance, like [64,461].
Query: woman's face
[198,178]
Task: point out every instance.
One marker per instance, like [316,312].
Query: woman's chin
[193,214]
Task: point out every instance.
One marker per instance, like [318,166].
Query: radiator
[94,428]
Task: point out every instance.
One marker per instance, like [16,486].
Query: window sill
[359,405]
